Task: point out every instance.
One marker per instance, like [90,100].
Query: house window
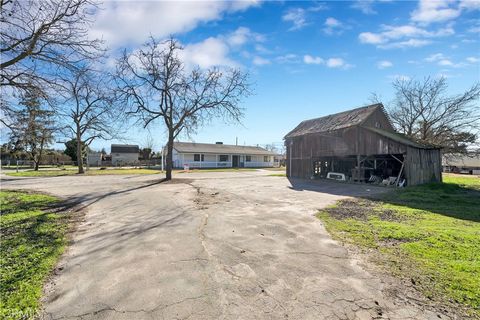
[248,158]
[223,157]
[265,158]
[198,157]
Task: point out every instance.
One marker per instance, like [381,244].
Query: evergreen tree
[33,126]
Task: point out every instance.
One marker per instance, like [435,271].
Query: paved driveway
[209,246]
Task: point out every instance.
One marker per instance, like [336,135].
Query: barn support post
[399,174]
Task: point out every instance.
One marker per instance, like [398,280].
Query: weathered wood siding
[378,119]
[423,166]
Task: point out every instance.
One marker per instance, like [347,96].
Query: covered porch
[204,160]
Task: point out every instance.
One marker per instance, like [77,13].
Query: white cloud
[332,22]
[393,36]
[298,16]
[287,58]
[335,63]
[259,61]
[384,64]
[470,4]
[333,26]
[371,38]
[243,35]
[208,53]
[411,43]
[123,23]
[474,30]
[365,6]
[435,57]
[473,60]
[308,59]
[239,36]
[400,77]
[445,62]
[330,63]
[429,11]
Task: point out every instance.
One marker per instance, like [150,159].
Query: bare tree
[39,40]
[423,111]
[89,110]
[156,84]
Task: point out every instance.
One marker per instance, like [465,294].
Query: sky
[305,59]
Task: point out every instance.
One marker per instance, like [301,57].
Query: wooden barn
[360,145]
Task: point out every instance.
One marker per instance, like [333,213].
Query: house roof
[458,160]
[398,137]
[124,148]
[335,121]
[192,147]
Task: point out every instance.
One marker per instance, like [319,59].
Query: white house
[219,155]
[124,154]
[94,159]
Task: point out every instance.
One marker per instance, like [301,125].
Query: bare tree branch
[154,83]
[424,112]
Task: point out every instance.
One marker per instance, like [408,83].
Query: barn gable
[371,115]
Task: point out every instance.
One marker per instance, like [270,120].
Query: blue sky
[306,59]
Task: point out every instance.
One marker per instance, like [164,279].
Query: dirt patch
[361,209]
[178,181]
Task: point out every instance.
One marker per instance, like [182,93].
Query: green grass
[32,241]
[429,234]
[277,175]
[69,172]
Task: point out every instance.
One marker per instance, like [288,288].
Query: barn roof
[124,148]
[192,147]
[335,121]
[400,138]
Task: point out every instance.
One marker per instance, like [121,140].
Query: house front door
[235,161]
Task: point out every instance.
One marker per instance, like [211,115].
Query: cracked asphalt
[211,245]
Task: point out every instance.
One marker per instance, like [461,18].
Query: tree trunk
[39,156]
[79,155]
[168,174]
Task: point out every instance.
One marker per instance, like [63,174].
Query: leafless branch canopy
[156,84]
[41,38]
[423,111]
[88,110]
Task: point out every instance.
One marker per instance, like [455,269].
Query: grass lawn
[32,241]
[278,174]
[68,172]
[428,235]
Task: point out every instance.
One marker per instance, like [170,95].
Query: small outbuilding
[124,154]
[360,145]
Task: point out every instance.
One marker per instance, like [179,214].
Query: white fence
[258,164]
[220,164]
